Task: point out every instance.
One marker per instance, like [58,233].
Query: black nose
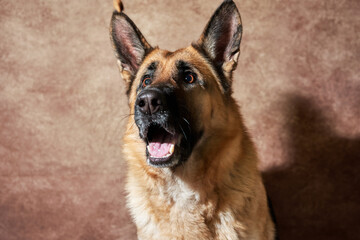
[150,101]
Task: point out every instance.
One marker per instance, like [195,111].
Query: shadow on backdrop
[317,195]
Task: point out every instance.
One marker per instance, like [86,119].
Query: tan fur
[218,192]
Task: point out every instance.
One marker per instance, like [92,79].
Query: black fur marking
[218,69]
[150,72]
[272,214]
[184,68]
[130,85]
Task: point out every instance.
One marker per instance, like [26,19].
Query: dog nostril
[155,102]
[141,103]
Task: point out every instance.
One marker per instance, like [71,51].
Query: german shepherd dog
[192,167]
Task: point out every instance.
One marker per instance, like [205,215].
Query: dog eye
[190,77]
[146,82]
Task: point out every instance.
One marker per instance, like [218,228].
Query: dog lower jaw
[165,162]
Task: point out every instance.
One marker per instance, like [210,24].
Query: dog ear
[221,37]
[129,44]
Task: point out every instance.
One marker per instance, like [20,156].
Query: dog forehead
[167,61]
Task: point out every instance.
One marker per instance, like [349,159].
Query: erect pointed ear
[129,44]
[221,37]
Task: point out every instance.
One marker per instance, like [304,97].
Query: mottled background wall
[62,110]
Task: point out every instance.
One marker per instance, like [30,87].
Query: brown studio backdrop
[63,111]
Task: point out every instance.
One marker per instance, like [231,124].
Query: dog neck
[222,162]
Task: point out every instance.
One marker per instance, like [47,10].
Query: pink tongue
[160,146]
[159,150]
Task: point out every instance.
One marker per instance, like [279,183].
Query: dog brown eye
[146,82]
[190,77]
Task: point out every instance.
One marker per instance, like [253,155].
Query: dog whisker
[126,116]
[185,120]
[131,126]
[182,130]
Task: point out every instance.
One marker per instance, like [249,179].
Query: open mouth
[161,146]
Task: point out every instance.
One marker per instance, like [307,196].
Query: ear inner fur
[221,38]
[129,44]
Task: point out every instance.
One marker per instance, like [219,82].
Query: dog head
[178,98]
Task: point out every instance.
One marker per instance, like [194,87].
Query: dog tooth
[172,147]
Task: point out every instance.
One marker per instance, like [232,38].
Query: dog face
[178,99]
